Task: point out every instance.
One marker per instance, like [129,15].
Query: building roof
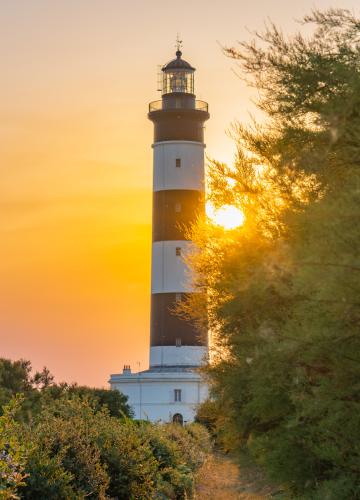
[177,63]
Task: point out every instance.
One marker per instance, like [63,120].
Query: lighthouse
[172,387]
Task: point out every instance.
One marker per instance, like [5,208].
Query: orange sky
[76,164]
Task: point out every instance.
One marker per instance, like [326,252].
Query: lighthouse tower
[172,387]
[178,199]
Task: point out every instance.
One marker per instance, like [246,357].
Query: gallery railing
[161,105]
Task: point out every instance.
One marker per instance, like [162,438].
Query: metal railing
[159,106]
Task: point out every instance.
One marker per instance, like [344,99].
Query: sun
[226,216]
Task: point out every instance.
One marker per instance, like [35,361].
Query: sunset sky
[76,163]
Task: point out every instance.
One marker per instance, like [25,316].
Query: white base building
[153,394]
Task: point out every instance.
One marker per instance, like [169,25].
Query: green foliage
[12,453]
[64,447]
[114,401]
[47,478]
[283,290]
[179,452]
[201,439]
[39,390]
[72,449]
[174,474]
[14,379]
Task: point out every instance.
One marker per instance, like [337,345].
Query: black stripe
[184,125]
[166,327]
[174,210]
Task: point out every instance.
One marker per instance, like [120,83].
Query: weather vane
[178,42]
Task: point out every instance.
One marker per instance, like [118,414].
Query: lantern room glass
[178,80]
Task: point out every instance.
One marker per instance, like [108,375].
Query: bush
[64,458]
[74,450]
[39,390]
[12,453]
[179,451]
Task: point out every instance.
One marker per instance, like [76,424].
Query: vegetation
[39,390]
[281,293]
[69,442]
[12,454]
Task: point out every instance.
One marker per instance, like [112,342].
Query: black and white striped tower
[178,199]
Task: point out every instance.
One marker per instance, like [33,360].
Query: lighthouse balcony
[177,104]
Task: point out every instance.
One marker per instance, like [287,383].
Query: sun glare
[226,216]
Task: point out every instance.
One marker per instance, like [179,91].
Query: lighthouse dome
[177,63]
[178,76]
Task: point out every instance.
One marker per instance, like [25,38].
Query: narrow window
[177,395]
[178,162]
[178,342]
[177,207]
[178,251]
[178,297]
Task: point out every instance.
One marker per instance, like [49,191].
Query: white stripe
[190,175]
[169,271]
[178,356]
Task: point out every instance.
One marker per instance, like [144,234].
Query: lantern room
[178,76]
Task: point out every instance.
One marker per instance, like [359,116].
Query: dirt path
[220,479]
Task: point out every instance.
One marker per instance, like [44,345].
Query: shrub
[75,450]
[64,459]
[180,451]
[12,452]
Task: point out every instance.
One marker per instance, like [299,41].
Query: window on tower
[177,395]
[178,342]
[178,297]
[177,207]
[178,251]
[178,162]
